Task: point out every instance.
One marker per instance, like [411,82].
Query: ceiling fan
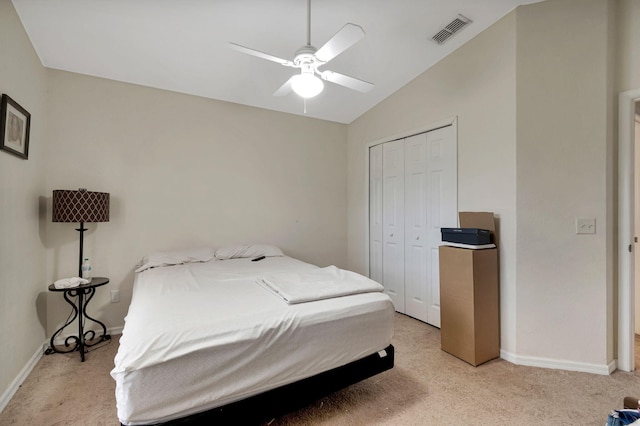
[308,59]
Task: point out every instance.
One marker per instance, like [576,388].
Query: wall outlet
[585,225]
[115,296]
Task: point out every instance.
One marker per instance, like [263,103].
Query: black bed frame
[277,402]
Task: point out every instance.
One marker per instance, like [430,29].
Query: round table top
[95,282]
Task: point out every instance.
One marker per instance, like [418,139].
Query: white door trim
[626,276]
[433,126]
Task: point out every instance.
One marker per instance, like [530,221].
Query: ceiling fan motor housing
[306,59]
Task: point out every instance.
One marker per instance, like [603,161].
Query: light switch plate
[585,225]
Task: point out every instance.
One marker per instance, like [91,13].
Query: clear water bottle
[86,269]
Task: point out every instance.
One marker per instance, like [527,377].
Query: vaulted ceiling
[183,45]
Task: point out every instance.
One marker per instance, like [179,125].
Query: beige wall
[477,84]
[628,17]
[185,171]
[22,264]
[562,136]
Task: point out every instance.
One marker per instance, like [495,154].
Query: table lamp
[80,206]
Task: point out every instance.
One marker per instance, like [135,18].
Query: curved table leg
[52,348]
[90,334]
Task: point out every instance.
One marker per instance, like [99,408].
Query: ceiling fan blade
[346,81]
[348,35]
[260,54]
[285,89]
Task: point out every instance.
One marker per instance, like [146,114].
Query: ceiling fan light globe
[307,85]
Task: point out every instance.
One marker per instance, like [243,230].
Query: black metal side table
[84,292]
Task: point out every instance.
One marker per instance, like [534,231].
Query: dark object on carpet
[631,402]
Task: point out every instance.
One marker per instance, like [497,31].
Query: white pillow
[176,257]
[248,250]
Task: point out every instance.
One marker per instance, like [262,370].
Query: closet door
[413,193]
[375,213]
[416,247]
[393,222]
[442,187]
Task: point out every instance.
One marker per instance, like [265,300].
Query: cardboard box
[469,297]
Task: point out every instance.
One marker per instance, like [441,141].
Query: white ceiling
[182,45]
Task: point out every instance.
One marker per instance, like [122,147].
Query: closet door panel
[393,222]
[443,206]
[375,213]
[416,248]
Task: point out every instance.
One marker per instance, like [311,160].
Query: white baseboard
[26,370]
[603,369]
[24,373]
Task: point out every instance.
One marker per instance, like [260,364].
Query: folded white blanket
[321,283]
[70,282]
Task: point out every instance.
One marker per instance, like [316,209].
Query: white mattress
[202,335]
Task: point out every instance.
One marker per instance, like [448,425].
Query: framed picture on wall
[14,128]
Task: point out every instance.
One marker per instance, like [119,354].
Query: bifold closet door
[393,222]
[412,194]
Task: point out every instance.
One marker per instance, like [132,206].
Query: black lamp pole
[81,230]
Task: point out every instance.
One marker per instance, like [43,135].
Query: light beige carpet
[426,387]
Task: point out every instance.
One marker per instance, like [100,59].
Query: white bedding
[318,284]
[202,335]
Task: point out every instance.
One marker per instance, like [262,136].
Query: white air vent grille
[453,27]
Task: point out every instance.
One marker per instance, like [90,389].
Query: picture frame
[15,123]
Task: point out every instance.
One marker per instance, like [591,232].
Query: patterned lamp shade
[80,206]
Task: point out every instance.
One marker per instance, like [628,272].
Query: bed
[206,332]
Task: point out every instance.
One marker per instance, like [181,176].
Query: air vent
[453,27]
